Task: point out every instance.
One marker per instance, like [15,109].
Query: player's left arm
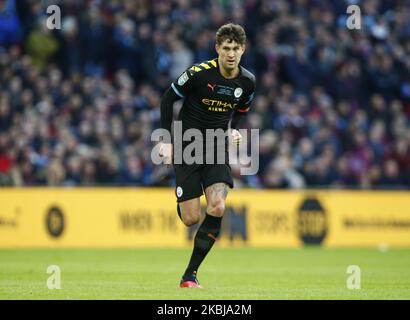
[239,115]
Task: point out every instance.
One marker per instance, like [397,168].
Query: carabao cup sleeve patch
[182,79]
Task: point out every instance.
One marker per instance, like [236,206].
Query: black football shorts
[192,180]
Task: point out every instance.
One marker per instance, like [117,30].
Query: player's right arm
[179,89]
[167,108]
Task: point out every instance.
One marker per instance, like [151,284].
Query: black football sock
[203,242]
[179,211]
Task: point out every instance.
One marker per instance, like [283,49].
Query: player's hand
[165,150]
[236,137]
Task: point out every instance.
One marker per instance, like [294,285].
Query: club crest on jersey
[182,79]
[179,192]
[238,92]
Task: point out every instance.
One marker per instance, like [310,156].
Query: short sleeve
[185,83]
[246,102]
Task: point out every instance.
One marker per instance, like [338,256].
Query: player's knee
[190,219]
[216,208]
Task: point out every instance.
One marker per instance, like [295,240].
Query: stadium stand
[78,105]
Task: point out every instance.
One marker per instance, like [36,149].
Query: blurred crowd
[78,104]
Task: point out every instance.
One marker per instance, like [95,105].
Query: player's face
[230,54]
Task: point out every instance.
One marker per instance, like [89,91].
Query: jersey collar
[219,71]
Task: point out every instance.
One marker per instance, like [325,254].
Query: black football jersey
[209,98]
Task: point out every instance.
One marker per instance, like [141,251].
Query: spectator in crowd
[78,105]
[41,44]
[9,23]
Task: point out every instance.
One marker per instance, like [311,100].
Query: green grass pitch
[236,273]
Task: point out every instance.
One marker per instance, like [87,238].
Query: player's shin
[203,242]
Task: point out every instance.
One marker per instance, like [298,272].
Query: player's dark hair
[231,32]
